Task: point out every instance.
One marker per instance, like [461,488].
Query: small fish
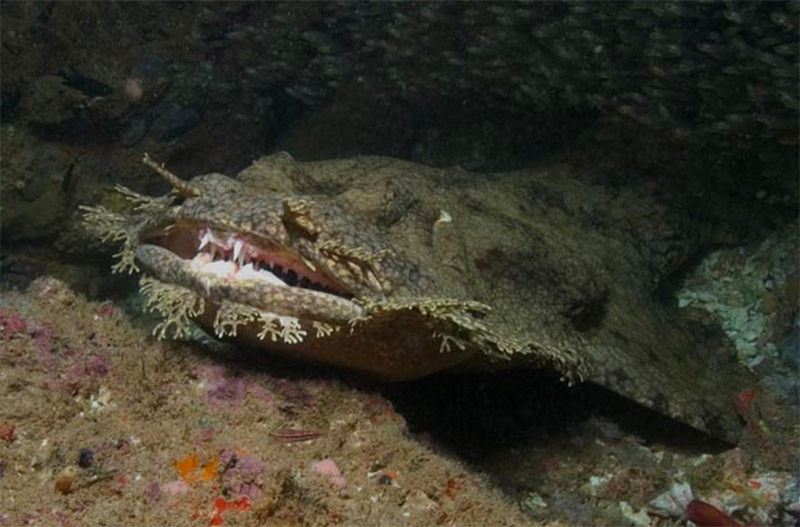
[296,436]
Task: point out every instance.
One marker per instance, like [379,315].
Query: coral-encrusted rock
[48,101]
[35,196]
[11,323]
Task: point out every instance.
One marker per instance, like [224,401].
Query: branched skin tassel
[176,304]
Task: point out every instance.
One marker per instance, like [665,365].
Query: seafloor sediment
[100,425]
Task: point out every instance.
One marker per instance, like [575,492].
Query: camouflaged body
[442,268]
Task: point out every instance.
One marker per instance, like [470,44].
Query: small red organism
[11,323]
[744,402]
[7,432]
[452,486]
[221,505]
[119,484]
[704,514]
[107,310]
[551,464]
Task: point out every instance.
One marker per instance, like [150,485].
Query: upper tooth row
[204,239]
[207,237]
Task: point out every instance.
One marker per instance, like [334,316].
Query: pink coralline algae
[226,391]
[93,367]
[11,323]
[44,341]
[292,392]
[243,474]
[173,488]
[153,492]
[328,468]
[45,356]
[80,373]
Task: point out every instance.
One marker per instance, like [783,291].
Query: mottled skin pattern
[437,268]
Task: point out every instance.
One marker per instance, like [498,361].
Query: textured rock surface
[35,185]
[482,85]
[98,423]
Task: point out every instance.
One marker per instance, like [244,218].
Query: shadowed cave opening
[477,414]
[472,415]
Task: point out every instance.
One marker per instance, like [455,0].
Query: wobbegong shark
[397,271]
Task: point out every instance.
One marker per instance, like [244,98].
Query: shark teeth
[205,238]
[203,263]
[237,251]
[231,256]
[248,271]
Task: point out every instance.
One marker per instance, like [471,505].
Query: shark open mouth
[234,257]
[227,269]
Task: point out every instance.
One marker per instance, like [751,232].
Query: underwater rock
[164,456]
[35,198]
[176,120]
[707,73]
[79,81]
[48,101]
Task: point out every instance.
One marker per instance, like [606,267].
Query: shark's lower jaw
[391,343]
[228,267]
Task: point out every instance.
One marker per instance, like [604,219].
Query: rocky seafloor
[101,424]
